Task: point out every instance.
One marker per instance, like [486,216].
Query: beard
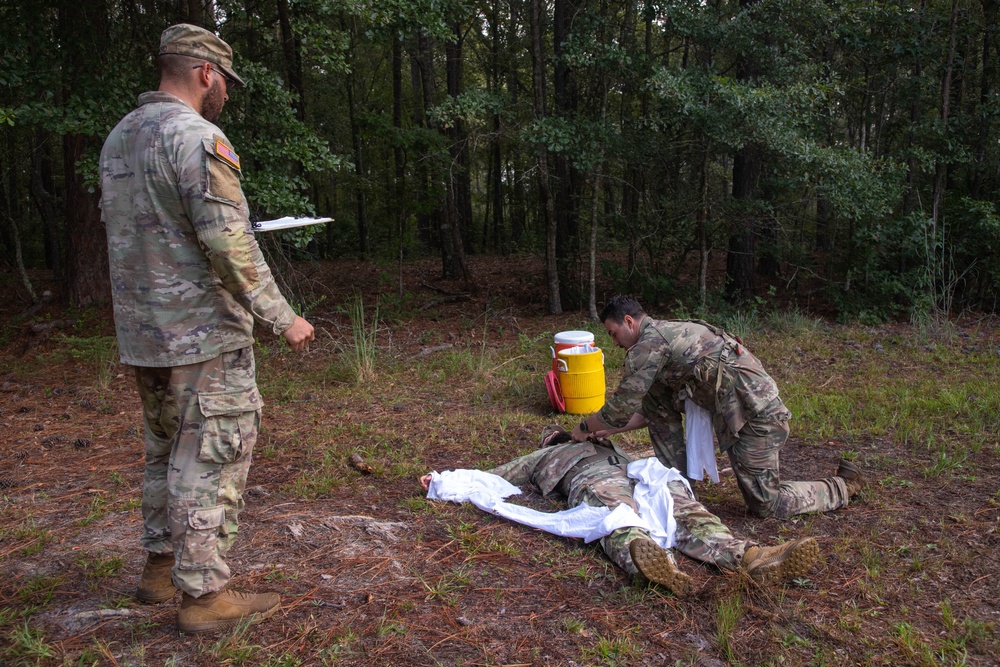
[213,101]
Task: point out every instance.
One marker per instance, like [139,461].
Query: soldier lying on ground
[594,472]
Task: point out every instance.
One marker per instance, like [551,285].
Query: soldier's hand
[299,335]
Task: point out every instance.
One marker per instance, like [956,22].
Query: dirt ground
[372,574]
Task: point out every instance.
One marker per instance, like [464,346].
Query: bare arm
[635,422]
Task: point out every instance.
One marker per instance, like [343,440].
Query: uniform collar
[158,96]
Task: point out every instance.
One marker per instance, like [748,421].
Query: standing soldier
[188,282]
[669,362]
[594,472]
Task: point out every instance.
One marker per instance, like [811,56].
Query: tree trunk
[595,199]
[360,176]
[5,212]
[747,164]
[740,279]
[46,201]
[496,158]
[459,189]
[445,211]
[937,266]
[293,59]
[990,29]
[87,272]
[419,118]
[551,224]
[398,157]
[516,187]
[359,169]
[566,181]
[704,214]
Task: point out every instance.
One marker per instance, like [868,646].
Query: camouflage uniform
[595,474]
[188,282]
[674,361]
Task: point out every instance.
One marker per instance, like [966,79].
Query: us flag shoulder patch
[227,154]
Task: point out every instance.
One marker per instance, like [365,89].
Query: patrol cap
[190,40]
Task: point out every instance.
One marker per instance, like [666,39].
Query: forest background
[844,151]
[842,156]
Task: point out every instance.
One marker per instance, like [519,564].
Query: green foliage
[365,334]
[474,107]
[728,613]
[277,146]
[839,104]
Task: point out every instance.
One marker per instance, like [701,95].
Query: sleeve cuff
[284,320]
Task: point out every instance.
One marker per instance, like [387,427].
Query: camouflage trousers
[201,423]
[700,534]
[754,458]
[755,463]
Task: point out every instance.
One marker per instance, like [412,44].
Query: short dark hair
[619,306]
[175,65]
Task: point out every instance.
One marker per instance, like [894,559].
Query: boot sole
[654,564]
[226,624]
[795,563]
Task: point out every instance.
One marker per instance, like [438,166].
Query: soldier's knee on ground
[775,509]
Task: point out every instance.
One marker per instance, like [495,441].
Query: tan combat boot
[851,474]
[155,586]
[224,609]
[769,566]
[657,565]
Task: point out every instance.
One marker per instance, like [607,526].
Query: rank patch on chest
[227,154]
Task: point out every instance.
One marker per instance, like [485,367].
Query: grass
[365,335]
[235,647]
[100,567]
[920,420]
[96,510]
[28,646]
[34,536]
[101,352]
[612,651]
[728,613]
[447,587]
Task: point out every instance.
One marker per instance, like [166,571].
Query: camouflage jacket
[187,277]
[676,360]
[582,464]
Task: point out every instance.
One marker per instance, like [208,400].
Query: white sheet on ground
[487,492]
[699,442]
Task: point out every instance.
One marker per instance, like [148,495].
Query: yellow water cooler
[581,378]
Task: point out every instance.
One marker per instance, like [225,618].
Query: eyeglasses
[230,81]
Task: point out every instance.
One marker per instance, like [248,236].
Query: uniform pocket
[229,426]
[223,176]
[201,538]
[729,405]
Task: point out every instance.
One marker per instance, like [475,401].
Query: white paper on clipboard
[286,223]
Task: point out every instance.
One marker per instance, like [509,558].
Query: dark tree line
[842,144]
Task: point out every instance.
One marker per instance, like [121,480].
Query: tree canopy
[838,145]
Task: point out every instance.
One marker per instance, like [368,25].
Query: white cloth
[699,442]
[653,497]
[487,492]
